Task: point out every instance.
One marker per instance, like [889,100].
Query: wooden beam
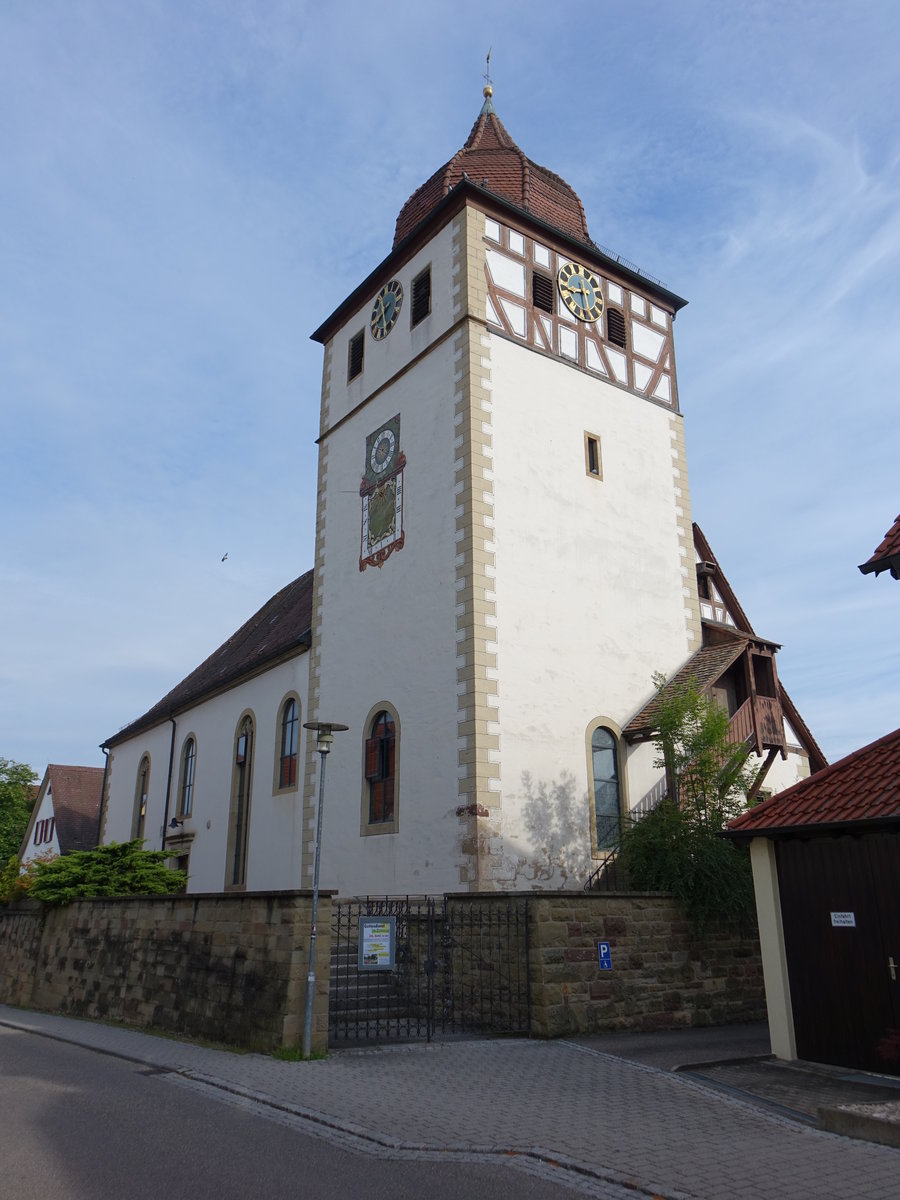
[761,774]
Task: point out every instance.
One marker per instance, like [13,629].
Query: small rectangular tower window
[421,297]
[542,291]
[355,356]
[592,463]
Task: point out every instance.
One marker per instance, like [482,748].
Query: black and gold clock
[581,291]
[388,303]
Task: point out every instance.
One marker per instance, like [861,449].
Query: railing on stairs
[607,876]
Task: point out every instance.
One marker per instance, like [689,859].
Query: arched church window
[239,816]
[287,761]
[141,789]
[605,767]
[380,764]
[186,791]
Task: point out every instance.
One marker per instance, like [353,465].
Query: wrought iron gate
[461,967]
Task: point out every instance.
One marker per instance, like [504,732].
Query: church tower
[504,553]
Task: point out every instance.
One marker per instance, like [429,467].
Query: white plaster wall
[124,761]
[589,585]
[783,773]
[275,817]
[43,811]
[389,634]
[382,360]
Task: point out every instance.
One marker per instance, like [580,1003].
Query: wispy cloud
[188,189]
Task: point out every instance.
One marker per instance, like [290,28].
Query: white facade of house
[41,838]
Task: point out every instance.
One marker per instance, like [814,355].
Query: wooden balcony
[758,722]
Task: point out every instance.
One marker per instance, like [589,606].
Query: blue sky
[187,189]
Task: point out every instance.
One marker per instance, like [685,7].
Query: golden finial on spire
[488,106]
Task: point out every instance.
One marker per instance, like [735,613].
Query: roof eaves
[158,716]
[890,563]
[804,830]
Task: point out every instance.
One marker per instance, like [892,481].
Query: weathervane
[487,75]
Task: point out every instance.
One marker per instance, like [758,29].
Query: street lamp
[324,731]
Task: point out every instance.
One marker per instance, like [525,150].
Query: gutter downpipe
[168,786]
[105,752]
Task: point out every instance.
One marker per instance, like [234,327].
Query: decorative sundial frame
[381,492]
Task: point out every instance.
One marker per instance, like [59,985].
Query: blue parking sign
[604,953]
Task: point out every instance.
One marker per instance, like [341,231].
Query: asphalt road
[79,1125]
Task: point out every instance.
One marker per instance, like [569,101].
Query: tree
[17,794]
[677,847]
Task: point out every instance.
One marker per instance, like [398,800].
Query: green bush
[119,869]
[667,851]
[678,847]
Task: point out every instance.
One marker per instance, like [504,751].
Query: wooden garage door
[844,998]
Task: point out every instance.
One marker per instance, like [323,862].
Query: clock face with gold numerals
[388,303]
[383,451]
[581,291]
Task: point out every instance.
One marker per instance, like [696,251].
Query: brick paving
[634,1126]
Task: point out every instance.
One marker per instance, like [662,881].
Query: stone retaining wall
[661,977]
[229,968]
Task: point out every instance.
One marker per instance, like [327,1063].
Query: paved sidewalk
[607,1119]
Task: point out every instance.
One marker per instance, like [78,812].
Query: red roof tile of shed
[281,625]
[864,786]
[490,156]
[887,556]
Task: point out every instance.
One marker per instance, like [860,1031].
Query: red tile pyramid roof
[280,626]
[864,786]
[76,805]
[490,157]
[887,556]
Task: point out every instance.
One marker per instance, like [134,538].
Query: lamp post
[324,731]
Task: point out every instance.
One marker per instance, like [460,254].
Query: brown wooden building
[826,869]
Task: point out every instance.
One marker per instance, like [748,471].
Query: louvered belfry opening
[355,356]
[615,327]
[421,297]
[542,291]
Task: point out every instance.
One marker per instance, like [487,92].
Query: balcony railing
[740,728]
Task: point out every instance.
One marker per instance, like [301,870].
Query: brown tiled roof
[700,671]
[864,786]
[887,556]
[76,805]
[281,625]
[490,157]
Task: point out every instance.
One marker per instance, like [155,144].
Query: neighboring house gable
[887,555]
[65,813]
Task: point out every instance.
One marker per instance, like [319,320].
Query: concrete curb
[868,1122]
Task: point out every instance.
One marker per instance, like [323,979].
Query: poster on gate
[377,943]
